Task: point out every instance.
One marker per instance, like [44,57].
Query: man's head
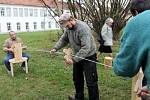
[138,6]
[12,35]
[109,21]
[67,21]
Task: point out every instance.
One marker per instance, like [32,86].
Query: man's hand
[52,51]
[68,60]
[144,93]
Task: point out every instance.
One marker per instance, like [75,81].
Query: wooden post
[26,65]
[137,85]
[68,53]
[108,61]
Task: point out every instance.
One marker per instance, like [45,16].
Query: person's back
[136,47]
[134,50]
[106,36]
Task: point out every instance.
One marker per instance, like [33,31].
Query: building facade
[25,17]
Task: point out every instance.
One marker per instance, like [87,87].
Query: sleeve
[85,39]
[104,32]
[128,61]
[62,41]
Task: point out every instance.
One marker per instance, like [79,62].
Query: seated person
[7,48]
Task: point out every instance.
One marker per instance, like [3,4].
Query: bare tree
[95,12]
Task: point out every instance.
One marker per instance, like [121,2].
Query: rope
[61,53]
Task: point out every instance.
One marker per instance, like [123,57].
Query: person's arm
[61,42]
[129,59]
[6,48]
[104,32]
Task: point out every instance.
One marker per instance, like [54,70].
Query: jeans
[87,69]
[10,56]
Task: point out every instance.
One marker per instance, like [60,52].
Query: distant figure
[107,38]
[79,35]
[7,47]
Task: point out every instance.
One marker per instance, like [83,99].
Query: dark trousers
[10,56]
[87,69]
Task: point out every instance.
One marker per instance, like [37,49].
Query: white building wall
[22,20]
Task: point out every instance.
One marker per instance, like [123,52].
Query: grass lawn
[48,79]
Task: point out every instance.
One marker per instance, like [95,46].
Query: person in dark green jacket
[134,50]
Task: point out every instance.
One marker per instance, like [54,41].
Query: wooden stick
[137,85]
[68,55]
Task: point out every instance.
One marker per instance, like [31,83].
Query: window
[45,13]
[56,25]
[18,26]
[15,10]
[8,11]
[41,13]
[30,12]
[35,25]
[48,13]
[42,25]
[35,13]
[8,26]
[2,11]
[27,26]
[26,12]
[49,24]
[21,12]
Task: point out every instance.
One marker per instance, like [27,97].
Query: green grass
[48,79]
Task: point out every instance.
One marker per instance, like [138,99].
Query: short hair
[11,32]
[109,20]
[139,6]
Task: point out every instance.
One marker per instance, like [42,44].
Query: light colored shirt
[9,42]
[107,35]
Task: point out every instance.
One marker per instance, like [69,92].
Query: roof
[50,3]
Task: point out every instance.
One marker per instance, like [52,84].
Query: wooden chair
[18,57]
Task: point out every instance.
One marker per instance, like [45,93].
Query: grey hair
[109,20]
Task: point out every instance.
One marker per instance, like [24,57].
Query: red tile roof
[50,3]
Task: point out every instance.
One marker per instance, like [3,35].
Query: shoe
[72,98]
